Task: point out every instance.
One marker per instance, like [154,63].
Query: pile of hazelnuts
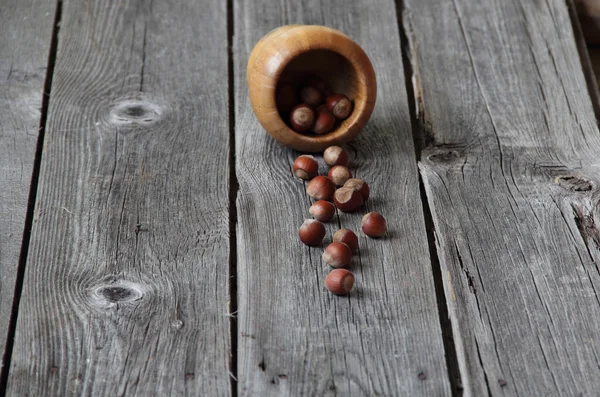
[312,108]
[348,195]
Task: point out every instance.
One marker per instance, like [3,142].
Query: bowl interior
[334,69]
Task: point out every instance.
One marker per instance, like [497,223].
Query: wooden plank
[295,338]
[25,34]
[512,178]
[126,286]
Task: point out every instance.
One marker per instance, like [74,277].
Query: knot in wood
[119,292]
[135,111]
[574,183]
[443,156]
[116,294]
[177,324]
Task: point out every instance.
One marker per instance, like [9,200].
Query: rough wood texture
[295,338]
[125,288]
[512,176]
[25,33]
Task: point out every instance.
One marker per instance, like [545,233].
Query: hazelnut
[337,255]
[320,188]
[339,281]
[359,185]
[335,155]
[324,122]
[339,174]
[322,210]
[302,118]
[347,237]
[311,232]
[374,224]
[306,167]
[347,200]
[339,105]
[285,97]
[311,96]
[320,85]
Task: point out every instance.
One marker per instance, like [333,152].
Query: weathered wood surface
[512,176]
[126,286]
[25,32]
[295,338]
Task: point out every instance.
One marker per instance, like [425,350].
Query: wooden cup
[293,53]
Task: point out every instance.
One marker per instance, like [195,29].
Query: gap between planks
[31,200]
[233,191]
[420,141]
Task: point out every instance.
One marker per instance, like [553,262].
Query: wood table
[148,224]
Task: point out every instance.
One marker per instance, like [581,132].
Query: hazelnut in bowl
[311,86]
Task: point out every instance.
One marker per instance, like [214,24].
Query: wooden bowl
[293,53]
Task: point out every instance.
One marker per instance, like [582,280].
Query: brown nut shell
[324,122]
[311,95]
[359,185]
[347,237]
[321,85]
[347,200]
[322,210]
[339,105]
[337,255]
[311,232]
[320,188]
[374,224]
[339,174]
[335,155]
[302,118]
[339,281]
[306,167]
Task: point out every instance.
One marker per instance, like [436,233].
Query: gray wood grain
[295,338]
[512,176]
[25,34]
[126,286]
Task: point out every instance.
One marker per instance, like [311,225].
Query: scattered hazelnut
[320,188]
[339,281]
[311,232]
[337,255]
[322,210]
[302,118]
[335,155]
[339,105]
[347,237]
[324,122]
[306,167]
[374,224]
[285,97]
[339,174]
[311,96]
[347,200]
[360,186]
